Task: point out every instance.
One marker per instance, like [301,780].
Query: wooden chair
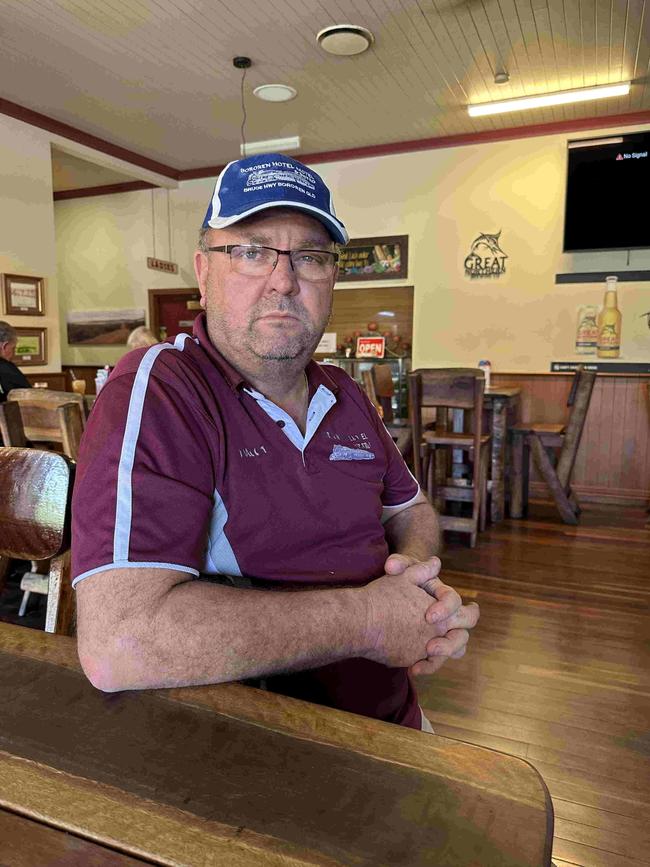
[368,385]
[50,397]
[382,375]
[52,417]
[543,440]
[35,494]
[401,434]
[456,394]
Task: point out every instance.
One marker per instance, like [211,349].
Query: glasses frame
[228,248]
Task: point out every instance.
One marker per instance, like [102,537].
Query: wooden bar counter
[229,775]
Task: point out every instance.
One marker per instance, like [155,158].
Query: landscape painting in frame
[31,347]
[102,327]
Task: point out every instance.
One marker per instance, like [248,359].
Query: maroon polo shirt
[184,466]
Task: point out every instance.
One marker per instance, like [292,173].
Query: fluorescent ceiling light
[275,92]
[273,145]
[544,99]
[594,142]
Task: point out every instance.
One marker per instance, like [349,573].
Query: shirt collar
[316,375]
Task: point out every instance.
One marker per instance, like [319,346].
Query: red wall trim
[450,141]
[34,118]
[42,121]
[105,190]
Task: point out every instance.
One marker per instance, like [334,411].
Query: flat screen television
[608,186]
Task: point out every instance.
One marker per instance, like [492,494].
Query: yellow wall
[27,225]
[442,199]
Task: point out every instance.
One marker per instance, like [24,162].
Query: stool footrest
[35,583]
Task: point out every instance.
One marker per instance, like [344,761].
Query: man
[10,375]
[233,454]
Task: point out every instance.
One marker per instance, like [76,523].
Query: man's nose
[283,278]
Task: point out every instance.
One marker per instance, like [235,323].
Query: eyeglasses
[256,261]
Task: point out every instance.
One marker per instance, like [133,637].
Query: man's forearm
[201,633]
[414,531]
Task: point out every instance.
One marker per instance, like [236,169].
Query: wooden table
[502,404]
[229,775]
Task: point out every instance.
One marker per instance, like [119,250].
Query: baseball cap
[264,181]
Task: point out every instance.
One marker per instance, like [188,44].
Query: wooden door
[173,311]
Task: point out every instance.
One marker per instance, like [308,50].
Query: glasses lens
[312,264]
[260,261]
[252,260]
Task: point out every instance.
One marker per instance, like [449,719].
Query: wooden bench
[231,775]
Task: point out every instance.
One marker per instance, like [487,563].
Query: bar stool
[543,440]
[456,395]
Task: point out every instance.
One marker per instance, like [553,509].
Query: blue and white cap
[264,181]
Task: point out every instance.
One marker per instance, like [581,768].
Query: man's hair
[203,240]
[7,333]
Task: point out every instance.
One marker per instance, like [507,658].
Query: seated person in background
[234,454]
[140,338]
[10,375]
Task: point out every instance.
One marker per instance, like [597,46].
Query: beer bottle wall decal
[609,323]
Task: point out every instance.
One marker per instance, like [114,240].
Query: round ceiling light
[275,92]
[345,39]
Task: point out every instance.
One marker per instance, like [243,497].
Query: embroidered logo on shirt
[343,453]
[256,452]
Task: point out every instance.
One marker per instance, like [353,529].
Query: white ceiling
[156,76]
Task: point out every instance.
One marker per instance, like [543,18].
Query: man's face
[7,350]
[275,317]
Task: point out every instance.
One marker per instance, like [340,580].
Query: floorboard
[558,671]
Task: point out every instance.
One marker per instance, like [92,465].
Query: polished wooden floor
[558,671]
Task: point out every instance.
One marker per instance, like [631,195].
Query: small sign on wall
[486,258]
[162,265]
[327,343]
[371,347]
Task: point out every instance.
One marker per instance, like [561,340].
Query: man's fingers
[427,666]
[398,563]
[448,602]
[425,571]
[449,645]
[452,646]
[465,617]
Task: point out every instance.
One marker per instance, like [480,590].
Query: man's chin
[280,353]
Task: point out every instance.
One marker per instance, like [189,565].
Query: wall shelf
[599,276]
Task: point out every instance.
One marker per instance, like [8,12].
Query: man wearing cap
[217,473]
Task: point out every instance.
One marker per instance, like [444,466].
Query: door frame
[156,295]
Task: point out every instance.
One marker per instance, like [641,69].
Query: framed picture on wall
[384,258]
[31,347]
[23,295]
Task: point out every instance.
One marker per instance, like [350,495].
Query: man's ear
[201,267]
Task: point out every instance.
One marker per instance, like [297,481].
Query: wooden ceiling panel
[156,76]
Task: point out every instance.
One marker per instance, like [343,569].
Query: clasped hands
[447,620]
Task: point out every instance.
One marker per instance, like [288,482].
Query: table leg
[498,458]
[517,484]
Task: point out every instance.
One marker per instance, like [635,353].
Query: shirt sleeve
[12,377]
[144,489]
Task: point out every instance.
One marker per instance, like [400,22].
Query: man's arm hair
[413,530]
[141,628]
